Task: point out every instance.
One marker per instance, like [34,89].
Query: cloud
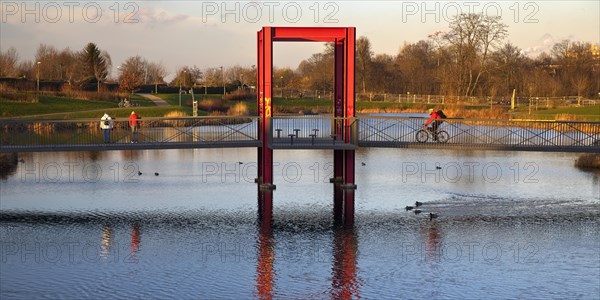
[544,44]
[153,17]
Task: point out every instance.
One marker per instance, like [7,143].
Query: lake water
[87,225]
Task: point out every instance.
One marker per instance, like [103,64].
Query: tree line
[89,65]
[471,58]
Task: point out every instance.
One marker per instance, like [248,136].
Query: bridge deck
[406,145]
[128,146]
[308,132]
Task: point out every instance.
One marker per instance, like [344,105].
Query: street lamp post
[184,72]
[38,76]
[281,86]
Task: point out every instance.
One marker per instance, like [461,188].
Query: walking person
[106,124]
[134,123]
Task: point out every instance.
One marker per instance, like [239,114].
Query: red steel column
[259,97]
[265,159]
[338,130]
[349,101]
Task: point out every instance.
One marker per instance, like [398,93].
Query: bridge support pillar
[265,207]
[343,39]
[343,160]
[264,95]
[343,187]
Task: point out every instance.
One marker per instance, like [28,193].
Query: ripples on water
[176,236]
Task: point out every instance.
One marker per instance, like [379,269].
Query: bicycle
[125,103]
[441,136]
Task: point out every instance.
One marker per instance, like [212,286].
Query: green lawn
[141,101]
[591,113]
[115,113]
[63,107]
[186,99]
[52,107]
[50,104]
[593,110]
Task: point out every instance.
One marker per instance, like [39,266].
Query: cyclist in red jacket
[435,119]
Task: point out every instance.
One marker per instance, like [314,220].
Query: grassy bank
[47,106]
[186,99]
[590,113]
[113,112]
[324,106]
[300,106]
[44,105]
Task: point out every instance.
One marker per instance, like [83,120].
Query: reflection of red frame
[344,39]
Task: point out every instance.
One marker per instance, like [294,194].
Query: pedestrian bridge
[299,132]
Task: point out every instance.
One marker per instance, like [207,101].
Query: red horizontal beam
[308,34]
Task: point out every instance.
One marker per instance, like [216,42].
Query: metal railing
[534,102]
[84,134]
[304,132]
[483,133]
[313,132]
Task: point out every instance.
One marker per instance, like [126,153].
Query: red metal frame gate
[344,39]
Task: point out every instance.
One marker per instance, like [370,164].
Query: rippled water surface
[87,225]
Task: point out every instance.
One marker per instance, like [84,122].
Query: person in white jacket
[106,124]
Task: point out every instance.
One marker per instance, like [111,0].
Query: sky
[210,34]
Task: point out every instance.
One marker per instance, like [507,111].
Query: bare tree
[575,66]
[418,62]
[471,39]
[47,56]
[212,77]
[9,63]
[284,79]
[508,66]
[188,77]
[383,75]
[316,72]
[132,74]
[156,74]
[364,59]
[71,66]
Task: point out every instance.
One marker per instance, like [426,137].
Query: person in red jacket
[134,123]
[435,119]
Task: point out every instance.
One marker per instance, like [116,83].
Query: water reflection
[107,238]
[264,262]
[345,282]
[108,247]
[433,239]
[132,155]
[136,238]
[546,233]
[95,155]
[8,164]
